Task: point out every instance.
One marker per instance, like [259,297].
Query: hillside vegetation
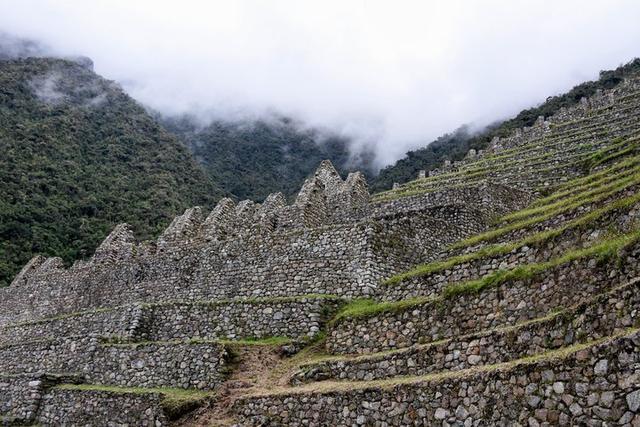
[253,159]
[78,157]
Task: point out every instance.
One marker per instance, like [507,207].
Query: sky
[393,75]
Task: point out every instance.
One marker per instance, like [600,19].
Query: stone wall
[331,240]
[430,285]
[62,406]
[296,318]
[193,365]
[20,397]
[59,355]
[600,317]
[507,303]
[200,365]
[121,321]
[595,386]
[491,198]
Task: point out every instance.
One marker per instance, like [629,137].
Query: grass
[175,401]
[568,313]
[578,185]
[604,250]
[585,180]
[592,195]
[482,166]
[615,155]
[503,249]
[369,307]
[603,155]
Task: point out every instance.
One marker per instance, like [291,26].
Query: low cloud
[45,88]
[393,76]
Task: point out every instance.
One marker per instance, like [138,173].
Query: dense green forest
[252,159]
[455,146]
[78,156]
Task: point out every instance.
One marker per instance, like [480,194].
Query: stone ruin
[106,340]
[243,270]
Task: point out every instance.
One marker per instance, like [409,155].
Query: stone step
[602,316]
[291,317]
[502,300]
[197,365]
[592,384]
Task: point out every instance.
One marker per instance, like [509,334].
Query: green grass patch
[596,180]
[595,162]
[602,251]
[592,195]
[369,307]
[585,180]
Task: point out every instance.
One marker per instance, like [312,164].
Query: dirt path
[258,367]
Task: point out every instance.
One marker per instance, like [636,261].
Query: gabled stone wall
[331,240]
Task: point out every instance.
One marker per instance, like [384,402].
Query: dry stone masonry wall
[505,304]
[596,386]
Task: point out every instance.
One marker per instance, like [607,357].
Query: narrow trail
[257,368]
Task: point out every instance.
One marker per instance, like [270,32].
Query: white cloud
[397,74]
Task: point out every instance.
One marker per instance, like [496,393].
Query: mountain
[454,146]
[252,159]
[78,157]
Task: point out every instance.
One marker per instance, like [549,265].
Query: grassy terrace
[175,401]
[621,169]
[334,386]
[478,168]
[543,214]
[594,194]
[622,104]
[471,176]
[604,250]
[550,141]
[579,223]
[570,313]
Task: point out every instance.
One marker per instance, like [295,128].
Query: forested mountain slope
[252,159]
[78,156]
